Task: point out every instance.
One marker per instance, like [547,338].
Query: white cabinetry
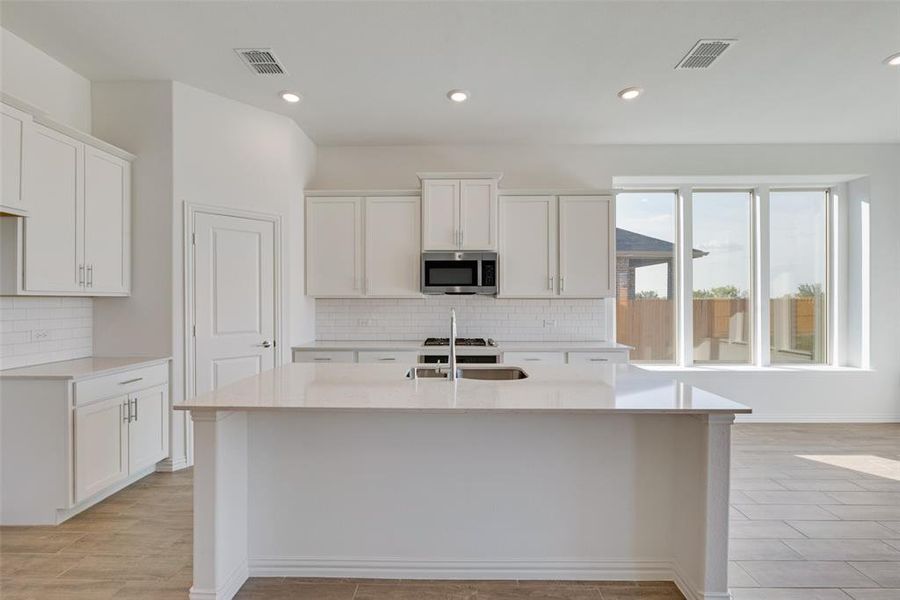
[96,434]
[557,246]
[334,239]
[76,237]
[363,246]
[392,246]
[101,445]
[528,246]
[459,214]
[598,358]
[15,132]
[548,358]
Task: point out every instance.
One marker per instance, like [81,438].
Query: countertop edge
[607,411]
[140,362]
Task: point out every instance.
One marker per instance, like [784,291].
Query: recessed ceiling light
[893,60]
[630,93]
[458,95]
[290,97]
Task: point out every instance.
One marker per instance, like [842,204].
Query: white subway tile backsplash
[478,316]
[67,322]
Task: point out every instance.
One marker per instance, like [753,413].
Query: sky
[722,228]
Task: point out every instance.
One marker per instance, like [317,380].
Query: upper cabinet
[363,246]
[15,131]
[557,246]
[459,213]
[75,237]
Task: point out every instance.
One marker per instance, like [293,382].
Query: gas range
[459,342]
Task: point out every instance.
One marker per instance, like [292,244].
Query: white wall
[786,395]
[37,78]
[30,75]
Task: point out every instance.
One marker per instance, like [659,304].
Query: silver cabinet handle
[81,274]
[127,381]
[599,360]
[387,358]
[90,276]
[562,284]
[532,359]
[126,409]
[321,358]
[266,344]
[135,409]
[550,283]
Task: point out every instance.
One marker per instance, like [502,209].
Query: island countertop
[615,389]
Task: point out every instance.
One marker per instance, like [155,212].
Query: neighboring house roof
[629,243]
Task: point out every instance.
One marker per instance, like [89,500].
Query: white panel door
[234,299]
[528,252]
[440,214]
[393,257]
[53,230]
[148,431]
[334,240]
[478,214]
[101,445]
[14,134]
[107,222]
[586,246]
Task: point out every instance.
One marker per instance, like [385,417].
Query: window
[645,274]
[798,250]
[721,274]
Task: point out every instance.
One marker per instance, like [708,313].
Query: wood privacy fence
[648,324]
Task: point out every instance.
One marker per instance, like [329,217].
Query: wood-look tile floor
[815,516]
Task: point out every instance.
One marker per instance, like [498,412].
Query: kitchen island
[352,470]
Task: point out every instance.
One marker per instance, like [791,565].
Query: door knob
[266,344]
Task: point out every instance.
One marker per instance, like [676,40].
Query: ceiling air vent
[261,61]
[703,54]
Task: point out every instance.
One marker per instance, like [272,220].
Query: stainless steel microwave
[459,273]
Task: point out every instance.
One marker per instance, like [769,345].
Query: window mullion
[684,271]
[760,280]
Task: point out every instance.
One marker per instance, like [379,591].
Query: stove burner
[459,342]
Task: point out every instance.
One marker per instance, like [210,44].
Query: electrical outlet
[39,334]
[549,322]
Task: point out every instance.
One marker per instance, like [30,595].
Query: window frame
[759,265]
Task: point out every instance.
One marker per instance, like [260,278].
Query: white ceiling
[540,72]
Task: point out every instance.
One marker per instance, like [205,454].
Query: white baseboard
[226,591]
[690,591]
[170,465]
[597,570]
[806,418]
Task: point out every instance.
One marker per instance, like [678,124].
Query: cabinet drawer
[372,356]
[597,358]
[315,356]
[552,358]
[117,384]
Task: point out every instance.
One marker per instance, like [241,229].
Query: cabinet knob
[266,344]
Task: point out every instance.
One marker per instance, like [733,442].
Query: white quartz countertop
[418,346]
[82,368]
[559,388]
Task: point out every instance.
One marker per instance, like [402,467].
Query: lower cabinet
[101,446]
[550,358]
[119,436]
[372,356]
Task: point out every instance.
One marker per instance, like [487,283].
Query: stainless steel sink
[484,373]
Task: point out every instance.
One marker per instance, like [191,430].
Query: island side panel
[703,444]
[220,504]
[464,495]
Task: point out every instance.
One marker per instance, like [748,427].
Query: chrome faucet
[451,376]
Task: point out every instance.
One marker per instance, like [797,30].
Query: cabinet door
[586,246]
[107,222]
[440,214]
[53,229]
[101,445]
[478,214]
[15,127]
[334,239]
[393,258]
[527,246]
[148,432]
